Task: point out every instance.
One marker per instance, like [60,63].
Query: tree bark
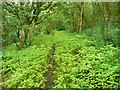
[21,38]
[81,16]
[108,25]
[103,27]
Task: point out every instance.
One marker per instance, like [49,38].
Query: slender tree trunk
[30,33]
[72,22]
[21,38]
[75,22]
[38,28]
[103,27]
[26,36]
[30,36]
[108,26]
[81,15]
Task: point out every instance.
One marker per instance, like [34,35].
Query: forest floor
[49,74]
[62,60]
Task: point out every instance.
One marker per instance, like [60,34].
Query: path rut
[49,75]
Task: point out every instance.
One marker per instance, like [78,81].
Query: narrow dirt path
[49,75]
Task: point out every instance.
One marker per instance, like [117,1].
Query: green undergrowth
[59,36]
[25,68]
[81,63]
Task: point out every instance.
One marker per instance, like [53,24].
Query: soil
[49,75]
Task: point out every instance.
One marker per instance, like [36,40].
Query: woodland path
[49,75]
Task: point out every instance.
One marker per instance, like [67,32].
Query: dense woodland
[60,45]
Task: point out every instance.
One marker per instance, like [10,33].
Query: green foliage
[86,58]
[60,26]
[25,68]
[115,36]
[87,67]
[80,63]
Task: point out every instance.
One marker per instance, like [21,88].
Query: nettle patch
[81,65]
[25,68]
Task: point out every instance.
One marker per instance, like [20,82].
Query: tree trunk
[103,27]
[30,34]
[75,23]
[26,36]
[21,38]
[38,28]
[108,25]
[81,16]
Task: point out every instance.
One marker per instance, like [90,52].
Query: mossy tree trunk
[21,38]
